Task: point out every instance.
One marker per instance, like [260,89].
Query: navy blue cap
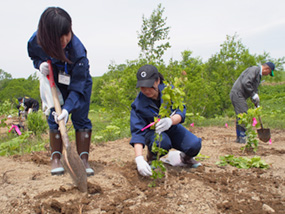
[272,67]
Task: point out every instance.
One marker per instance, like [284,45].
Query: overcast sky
[108,29]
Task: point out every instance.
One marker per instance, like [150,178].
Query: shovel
[70,159]
[263,134]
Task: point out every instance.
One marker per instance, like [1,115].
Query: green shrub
[37,123]
[20,145]
[6,108]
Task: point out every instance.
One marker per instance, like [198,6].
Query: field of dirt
[26,185]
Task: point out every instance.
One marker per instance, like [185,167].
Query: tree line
[207,89]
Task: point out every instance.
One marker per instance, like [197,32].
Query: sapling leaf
[172,99]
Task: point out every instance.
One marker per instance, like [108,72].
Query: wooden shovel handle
[260,122]
[57,106]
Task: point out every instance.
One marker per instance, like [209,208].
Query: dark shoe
[241,140]
[189,160]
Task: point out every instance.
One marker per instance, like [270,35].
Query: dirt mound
[27,186]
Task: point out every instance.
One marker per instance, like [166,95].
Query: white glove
[30,110]
[44,68]
[163,125]
[63,115]
[142,166]
[255,99]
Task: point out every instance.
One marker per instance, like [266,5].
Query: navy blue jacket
[79,89]
[143,112]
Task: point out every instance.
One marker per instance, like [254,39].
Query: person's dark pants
[240,106]
[79,118]
[36,107]
[177,137]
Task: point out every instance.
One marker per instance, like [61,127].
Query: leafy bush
[272,98]
[20,145]
[36,123]
[246,119]
[6,108]
[106,127]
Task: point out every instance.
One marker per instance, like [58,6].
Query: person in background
[29,104]
[54,40]
[174,135]
[246,86]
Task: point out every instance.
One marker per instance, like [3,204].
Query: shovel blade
[75,167]
[264,134]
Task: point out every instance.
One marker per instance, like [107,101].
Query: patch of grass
[106,127]
[273,105]
[25,143]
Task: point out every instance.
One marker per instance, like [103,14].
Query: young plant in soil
[157,167]
[243,162]
[172,98]
[247,119]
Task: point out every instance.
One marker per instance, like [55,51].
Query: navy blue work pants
[177,137]
[79,118]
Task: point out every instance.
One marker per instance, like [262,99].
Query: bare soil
[26,185]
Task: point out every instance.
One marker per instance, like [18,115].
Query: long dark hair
[160,77]
[54,23]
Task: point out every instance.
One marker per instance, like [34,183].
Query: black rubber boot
[189,160]
[83,140]
[56,150]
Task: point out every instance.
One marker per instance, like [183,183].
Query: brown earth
[26,185]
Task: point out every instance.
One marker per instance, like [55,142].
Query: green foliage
[6,108]
[172,99]
[111,132]
[4,75]
[208,86]
[272,98]
[96,87]
[246,119]
[106,127]
[153,32]
[36,123]
[157,166]
[201,157]
[14,88]
[2,122]
[243,162]
[117,89]
[20,145]
[4,78]
[222,70]
[194,118]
